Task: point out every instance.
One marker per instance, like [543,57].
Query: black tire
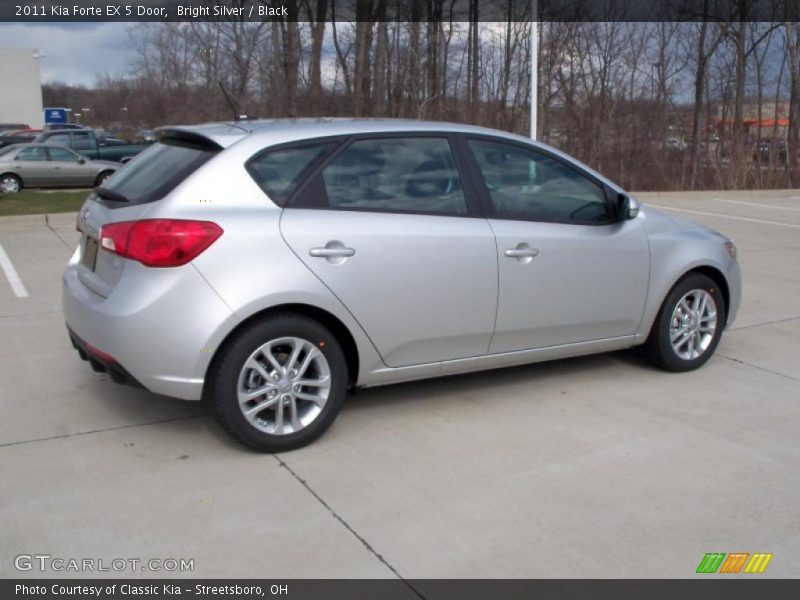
[11,176]
[101,178]
[225,380]
[658,348]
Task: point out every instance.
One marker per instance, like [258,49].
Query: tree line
[652,105]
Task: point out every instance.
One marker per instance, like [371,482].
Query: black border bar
[399,10]
[710,588]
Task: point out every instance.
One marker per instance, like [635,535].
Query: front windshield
[8,149]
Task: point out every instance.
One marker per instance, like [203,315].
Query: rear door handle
[522,251]
[334,252]
[328,252]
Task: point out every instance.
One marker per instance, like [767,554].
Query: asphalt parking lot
[591,467]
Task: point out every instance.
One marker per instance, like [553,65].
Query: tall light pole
[534,66]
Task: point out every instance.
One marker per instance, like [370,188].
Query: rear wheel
[280,383]
[10,184]
[689,325]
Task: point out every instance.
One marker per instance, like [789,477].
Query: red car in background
[18,136]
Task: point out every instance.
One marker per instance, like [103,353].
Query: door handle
[334,252]
[523,253]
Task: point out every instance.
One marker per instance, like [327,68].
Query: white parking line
[12,275]
[758,204]
[710,214]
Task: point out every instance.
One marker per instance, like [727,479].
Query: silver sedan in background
[270,266]
[41,166]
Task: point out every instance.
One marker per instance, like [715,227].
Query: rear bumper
[157,328]
[101,363]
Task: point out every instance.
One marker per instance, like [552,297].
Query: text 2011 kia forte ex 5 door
[271,265]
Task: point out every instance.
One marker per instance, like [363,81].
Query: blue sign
[55,115]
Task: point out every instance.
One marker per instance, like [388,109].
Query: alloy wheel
[693,324]
[284,385]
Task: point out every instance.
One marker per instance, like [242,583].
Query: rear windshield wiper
[108,194]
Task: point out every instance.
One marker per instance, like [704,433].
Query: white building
[21,88]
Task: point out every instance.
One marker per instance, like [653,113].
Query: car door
[387,224]
[85,143]
[69,168]
[31,165]
[569,270]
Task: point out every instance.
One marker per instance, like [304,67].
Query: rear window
[158,170]
[61,139]
[82,142]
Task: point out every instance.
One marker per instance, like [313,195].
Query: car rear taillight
[159,242]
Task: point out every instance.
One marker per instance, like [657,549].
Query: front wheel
[689,325]
[280,383]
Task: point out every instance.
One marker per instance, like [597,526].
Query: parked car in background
[18,136]
[62,126]
[86,142]
[767,151]
[45,166]
[145,136]
[107,138]
[9,126]
[270,266]
[113,141]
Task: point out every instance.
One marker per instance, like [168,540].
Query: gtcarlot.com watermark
[57,564]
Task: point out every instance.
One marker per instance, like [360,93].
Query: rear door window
[158,170]
[396,174]
[62,155]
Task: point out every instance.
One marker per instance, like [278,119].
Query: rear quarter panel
[250,267]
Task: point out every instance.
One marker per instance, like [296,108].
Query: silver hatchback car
[270,266]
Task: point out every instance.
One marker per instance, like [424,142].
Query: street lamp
[534,66]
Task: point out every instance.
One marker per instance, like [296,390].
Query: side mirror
[81,161]
[627,207]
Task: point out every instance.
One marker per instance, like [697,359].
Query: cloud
[73,52]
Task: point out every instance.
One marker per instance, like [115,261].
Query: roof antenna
[236,115]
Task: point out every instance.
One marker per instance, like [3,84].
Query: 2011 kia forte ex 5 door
[270,266]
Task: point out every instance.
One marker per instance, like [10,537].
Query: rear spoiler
[218,135]
[188,136]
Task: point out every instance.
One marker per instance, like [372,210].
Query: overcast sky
[73,52]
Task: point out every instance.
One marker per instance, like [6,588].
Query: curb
[41,220]
[65,220]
